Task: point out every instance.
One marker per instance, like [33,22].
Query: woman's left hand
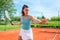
[44,21]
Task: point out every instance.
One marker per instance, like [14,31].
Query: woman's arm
[19,23]
[36,20]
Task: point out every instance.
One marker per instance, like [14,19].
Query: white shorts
[26,34]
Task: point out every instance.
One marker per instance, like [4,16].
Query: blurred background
[49,8]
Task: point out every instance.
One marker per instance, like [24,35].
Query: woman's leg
[19,38]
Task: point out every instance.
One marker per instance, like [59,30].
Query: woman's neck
[25,15]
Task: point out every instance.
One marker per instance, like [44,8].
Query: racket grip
[11,22]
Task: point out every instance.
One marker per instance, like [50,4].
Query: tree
[7,5]
[55,18]
[16,18]
[39,18]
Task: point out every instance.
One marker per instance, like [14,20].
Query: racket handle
[11,22]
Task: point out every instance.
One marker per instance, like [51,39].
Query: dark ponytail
[24,6]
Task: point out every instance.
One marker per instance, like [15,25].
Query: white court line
[54,36]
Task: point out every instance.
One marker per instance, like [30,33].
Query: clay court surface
[38,33]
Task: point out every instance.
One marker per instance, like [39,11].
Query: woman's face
[26,11]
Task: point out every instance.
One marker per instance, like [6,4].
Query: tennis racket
[8,17]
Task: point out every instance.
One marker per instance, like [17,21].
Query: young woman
[26,31]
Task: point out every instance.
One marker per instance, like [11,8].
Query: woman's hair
[24,6]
